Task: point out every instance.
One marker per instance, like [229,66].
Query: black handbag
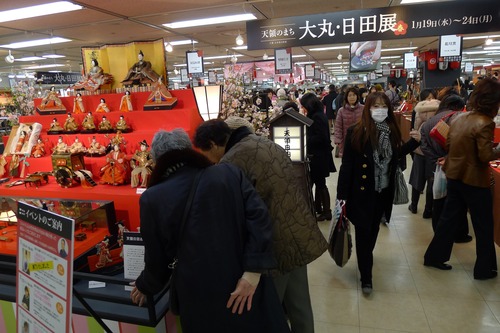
[340,240]
[173,297]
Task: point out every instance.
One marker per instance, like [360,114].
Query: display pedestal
[144,125]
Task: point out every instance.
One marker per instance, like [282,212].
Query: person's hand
[243,294]
[137,297]
[415,135]
[440,161]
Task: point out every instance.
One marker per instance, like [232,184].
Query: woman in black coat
[366,180]
[319,151]
[225,244]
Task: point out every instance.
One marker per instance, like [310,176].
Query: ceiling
[119,21]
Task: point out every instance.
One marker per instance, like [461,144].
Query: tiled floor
[407,297]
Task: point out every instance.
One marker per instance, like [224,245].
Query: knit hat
[235,122]
[165,141]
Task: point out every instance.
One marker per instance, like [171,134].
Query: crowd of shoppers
[246,187]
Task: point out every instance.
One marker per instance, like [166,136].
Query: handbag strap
[187,208]
[449,115]
[188,204]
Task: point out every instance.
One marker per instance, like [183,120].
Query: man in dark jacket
[297,240]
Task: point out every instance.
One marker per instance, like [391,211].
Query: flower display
[23,94]
[238,102]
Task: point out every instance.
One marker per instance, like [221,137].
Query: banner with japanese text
[398,22]
[44,270]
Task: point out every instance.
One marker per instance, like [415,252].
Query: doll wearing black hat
[142,165]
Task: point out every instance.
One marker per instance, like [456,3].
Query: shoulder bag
[400,188]
[439,132]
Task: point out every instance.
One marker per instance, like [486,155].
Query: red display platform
[144,125]
[497,134]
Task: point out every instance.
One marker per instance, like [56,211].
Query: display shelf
[144,125]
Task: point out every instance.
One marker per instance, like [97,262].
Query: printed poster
[44,271]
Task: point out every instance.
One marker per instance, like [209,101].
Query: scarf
[383,151]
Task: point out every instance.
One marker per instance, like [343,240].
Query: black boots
[428,205]
[415,195]
[322,204]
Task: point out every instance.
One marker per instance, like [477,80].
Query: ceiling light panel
[210,21]
[36,11]
[37,42]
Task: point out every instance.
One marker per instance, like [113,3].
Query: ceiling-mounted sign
[309,71]
[317,74]
[450,46]
[184,75]
[398,22]
[410,60]
[194,61]
[283,61]
[57,78]
[469,67]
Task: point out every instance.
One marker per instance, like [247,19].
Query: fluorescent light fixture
[180,65]
[399,49]
[222,56]
[492,48]
[55,71]
[242,47]
[299,56]
[305,63]
[45,66]
[390,57]
[30,58]
[329,48]
[475,52]
[183,42]
[37,42]
[53,56]
[210,20]
[333,63]
[480,37]
[40,10]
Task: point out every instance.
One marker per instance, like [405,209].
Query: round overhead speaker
[9,58]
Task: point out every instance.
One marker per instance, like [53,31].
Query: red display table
[144,125]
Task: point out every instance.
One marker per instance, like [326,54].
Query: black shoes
[438,265]
[490,275]
[324,216]
[412,209]
[465,239]
[366,288]
[427,214]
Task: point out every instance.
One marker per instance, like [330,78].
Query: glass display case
[93,221]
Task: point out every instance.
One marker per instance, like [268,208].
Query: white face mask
[379,114]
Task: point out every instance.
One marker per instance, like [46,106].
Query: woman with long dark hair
[319,150]
[372,149]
